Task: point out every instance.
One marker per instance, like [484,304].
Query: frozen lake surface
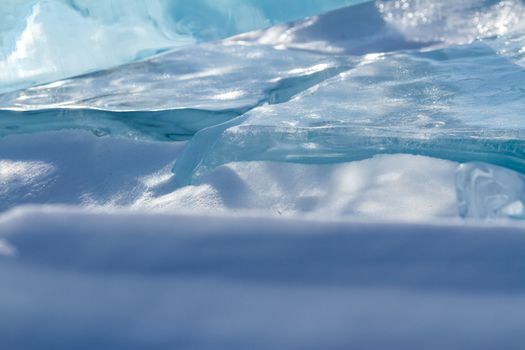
[236,174]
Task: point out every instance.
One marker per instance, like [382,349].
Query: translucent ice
[488,191]
[171,96]
[444,80]
[383,26]
[51,39]
[44,40]
[462,103]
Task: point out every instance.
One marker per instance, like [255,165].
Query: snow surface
[140,281]
[305,186]
[78,168]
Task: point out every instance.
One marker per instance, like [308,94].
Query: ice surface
[169,97]
[487,191]
[44,40]
[53,39]
[317,202]
[461,103]
[383,26]
[177,94]
[375,78]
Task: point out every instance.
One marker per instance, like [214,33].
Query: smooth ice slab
[45,40]
[463,103]
[177,94]
[171,96]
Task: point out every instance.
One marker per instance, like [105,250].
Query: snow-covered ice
[119,173]
[209,175]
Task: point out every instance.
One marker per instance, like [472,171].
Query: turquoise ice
[444,80]
[45,40]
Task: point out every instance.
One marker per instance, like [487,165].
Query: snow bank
[78,168]
[401,187]
[130,281]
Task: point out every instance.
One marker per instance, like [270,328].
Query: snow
[124,173]
[82,280]
[78,168]
[347,181]
[401,187]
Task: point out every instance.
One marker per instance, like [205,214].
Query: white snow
[257,255]
[154,281]
[402,187]
[100,250]
[77,168]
